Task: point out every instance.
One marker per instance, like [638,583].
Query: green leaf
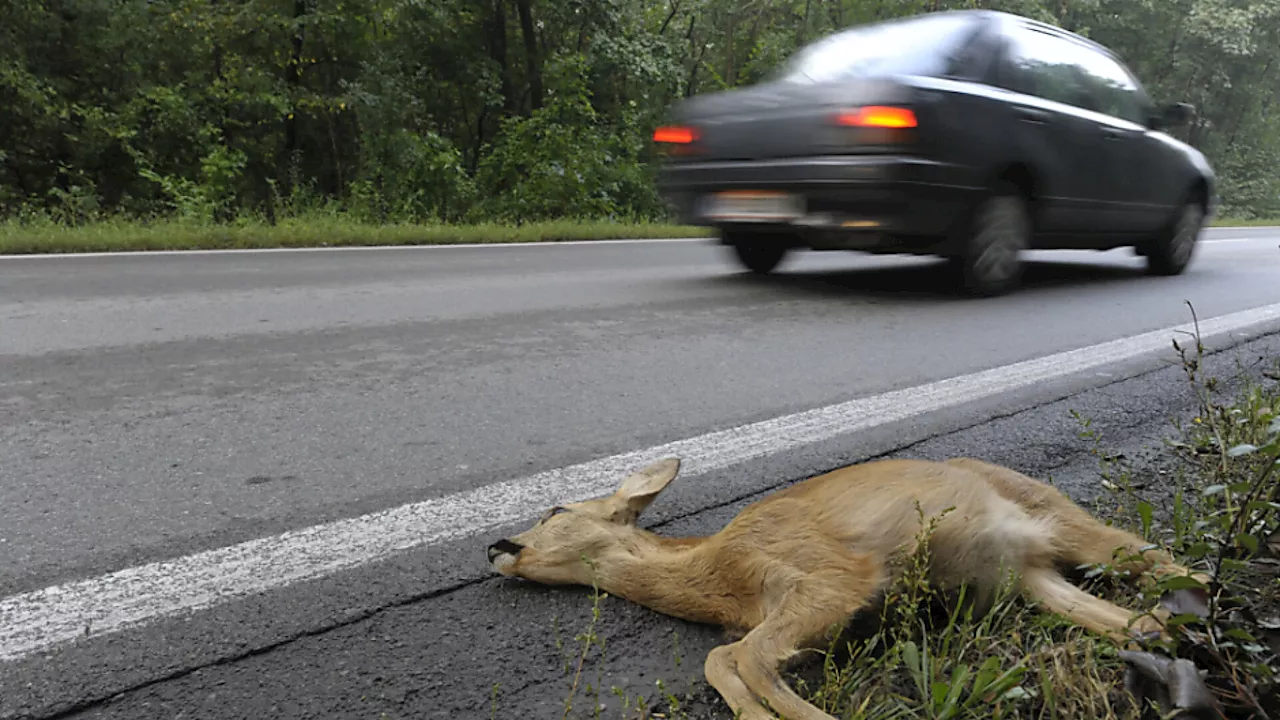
[1233,565]
[938,691]
[1241,635]
[1182,619]
[1198,550]
[1145,514]
[1181,582]
[1017,692]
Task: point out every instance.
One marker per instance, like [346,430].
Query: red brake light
[878,116]
[675,134]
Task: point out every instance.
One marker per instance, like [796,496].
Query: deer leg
[1052,591]
[721,669]
[801,619]
[1086,541]
[1081,539]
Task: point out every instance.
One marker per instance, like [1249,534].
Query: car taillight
[675,135]
[676,140]
[878,116]
[874,127]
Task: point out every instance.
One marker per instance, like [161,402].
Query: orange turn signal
[878,116]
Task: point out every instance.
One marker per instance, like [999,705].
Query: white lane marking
[442,246]
[36,621]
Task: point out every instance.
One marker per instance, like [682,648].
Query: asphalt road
[159,406]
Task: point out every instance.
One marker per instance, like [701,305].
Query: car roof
[1001,17]
[1008,18]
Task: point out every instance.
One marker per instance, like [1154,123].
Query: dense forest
[508,110]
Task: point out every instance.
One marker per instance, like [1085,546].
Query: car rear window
[920,45]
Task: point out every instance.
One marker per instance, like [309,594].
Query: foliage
[1231,524]
[451,110]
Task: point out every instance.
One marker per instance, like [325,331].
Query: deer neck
[680,577]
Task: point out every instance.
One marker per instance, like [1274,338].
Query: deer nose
[504,546]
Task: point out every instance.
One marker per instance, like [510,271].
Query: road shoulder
[504,648]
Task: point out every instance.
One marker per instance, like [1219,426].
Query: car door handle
[1112,134]
[1033,115]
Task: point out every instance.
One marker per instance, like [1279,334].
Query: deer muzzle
[504,547]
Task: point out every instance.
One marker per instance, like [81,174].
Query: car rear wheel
[1000,230]
[757,254]
[1171,251]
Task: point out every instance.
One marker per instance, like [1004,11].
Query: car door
[1129,154]
[1061,137]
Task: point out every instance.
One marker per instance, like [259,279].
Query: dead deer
[794,565]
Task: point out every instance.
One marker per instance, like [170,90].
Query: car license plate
[752,206]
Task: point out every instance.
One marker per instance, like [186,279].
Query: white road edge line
[36,621]
[369,248]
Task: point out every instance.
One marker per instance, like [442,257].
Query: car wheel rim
[1184,236]
[1000,242]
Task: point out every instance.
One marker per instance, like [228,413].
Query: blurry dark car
[970,135]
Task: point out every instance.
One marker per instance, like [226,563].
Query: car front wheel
[757,256]
[991,262]
[1171,251]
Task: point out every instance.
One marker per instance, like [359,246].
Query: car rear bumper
[878,202]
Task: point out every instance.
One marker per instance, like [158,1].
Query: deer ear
[640,488]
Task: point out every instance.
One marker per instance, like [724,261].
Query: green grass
[125,236]
[331,231]
[1235,222]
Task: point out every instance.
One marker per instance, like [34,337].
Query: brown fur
[803,560]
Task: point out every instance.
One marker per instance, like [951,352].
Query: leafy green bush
[565,161]
[407,177]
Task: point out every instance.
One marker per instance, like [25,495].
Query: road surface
[258,467]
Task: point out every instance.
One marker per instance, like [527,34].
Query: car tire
[990,262]
[759,257]
[1171,251]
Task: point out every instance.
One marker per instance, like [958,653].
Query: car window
[1049,66]
[920,45]
[1057,68]
[1118,95]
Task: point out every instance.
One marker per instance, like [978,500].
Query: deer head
[552,551]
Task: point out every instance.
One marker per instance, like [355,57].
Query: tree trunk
[728,70]
[675,8]
[691,84]
[530,53]
[803,31]
[1245,106]
[293,81]
[218,77]
[498,52]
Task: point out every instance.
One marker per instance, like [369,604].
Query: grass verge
[1218,510]
[29,238]
[1252,222]
[330,231]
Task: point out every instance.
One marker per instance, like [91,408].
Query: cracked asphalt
[154,407]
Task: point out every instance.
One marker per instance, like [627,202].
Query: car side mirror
[1172,115]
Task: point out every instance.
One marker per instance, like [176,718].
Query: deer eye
[553,512]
